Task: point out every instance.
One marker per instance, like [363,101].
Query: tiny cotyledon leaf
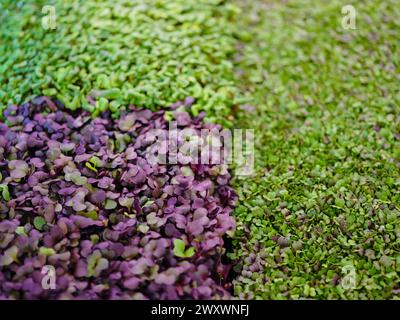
[179,249]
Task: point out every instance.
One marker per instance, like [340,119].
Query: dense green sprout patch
[147,53]
[326,192]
